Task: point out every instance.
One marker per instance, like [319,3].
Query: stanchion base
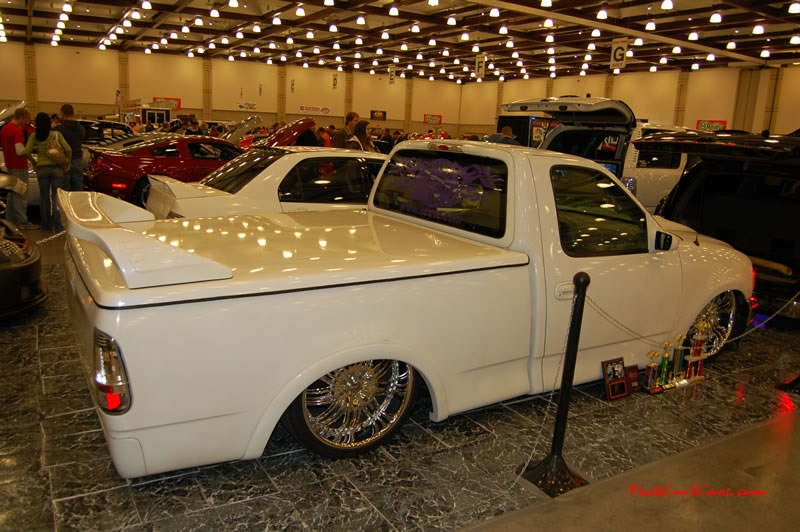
[553,476]
[792,386]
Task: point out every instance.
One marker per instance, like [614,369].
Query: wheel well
[742,314]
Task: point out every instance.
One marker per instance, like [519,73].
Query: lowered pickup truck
[202,334]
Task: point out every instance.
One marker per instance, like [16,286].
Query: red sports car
[124,172]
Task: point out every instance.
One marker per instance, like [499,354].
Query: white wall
[76,75]
[651,95]
[479,103]
[166,76]
[374,92]
[524,89]
[788,114]
[233,82]
[436,98]
[704,100]
[580,85]
[12,66]
[313,87]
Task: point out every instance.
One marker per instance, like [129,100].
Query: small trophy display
[678,378]
[665,376]
[694,370]
[650,384]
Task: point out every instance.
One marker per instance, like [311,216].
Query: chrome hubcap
[354,405]
[719,313]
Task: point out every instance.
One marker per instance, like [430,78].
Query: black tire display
[353,408]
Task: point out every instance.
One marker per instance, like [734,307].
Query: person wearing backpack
[53,158]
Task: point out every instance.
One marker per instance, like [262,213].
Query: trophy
[694,371]
[665,377]
[651,374]
[678,378]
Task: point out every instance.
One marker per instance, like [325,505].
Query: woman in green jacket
[50,173]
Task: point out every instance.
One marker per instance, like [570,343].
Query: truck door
[596,227]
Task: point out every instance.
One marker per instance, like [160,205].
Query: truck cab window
[595,216]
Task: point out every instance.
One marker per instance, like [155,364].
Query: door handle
[565,290]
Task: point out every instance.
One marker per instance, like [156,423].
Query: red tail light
[753,272]
[110,377]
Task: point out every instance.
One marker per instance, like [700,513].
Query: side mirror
[663,241]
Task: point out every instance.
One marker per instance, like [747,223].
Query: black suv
[743,189]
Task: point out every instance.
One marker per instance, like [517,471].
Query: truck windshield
[463,191]
[234,175]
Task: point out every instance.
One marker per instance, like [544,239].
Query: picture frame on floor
[632,372]
[615,378]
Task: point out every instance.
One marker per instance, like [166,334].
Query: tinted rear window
[463,191]
[234,175]
[595,145]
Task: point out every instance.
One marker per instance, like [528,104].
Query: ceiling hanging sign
[335,80]
[619,49]
[480,66]
[391,75]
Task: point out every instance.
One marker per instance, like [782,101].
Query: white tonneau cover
[117,247]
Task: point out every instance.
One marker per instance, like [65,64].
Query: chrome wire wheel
[354,407]
[720,314]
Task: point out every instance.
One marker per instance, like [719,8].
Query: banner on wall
[170,103]
[432,119]
[711,125]
[377,115]
[314,110]
[246,106]
[619,49]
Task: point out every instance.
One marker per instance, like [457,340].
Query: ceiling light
[650,26]
[211,45]
[361,20]
[337,46]
[451,21]
[289,40]
[332,28]
[404,46]
[358,55]
[515,54]
[583,73]
[113,37]
[300,12]
[67,7]
[584,66]
[458,81]
[359,41]
[155,44]
[269,60]
[476,48]
[146,50]
[419,56]
[402,74]
[629,53]
[173,35]
[695,66]
[602,14]
[298,54]
[65,17]
[432,64]
[666,4]
[764,53]
[519,63]
[456,61]
[510,44]
[200,50]
[522,70]
[242,54]
[615,71]
[731,45]
[465,36]
[102,46]
[305,65]
[433,3]
[465,69]
[663,60]
[283,57]
[758,29]
[63,26]
[676,50]
[135,15]
[591,46]
[185,29]
[653,68]
[445,52]
[328,3]
[214,13]
[57,31]
[693,36]
[396,59]
[432,42]
[552,60]
[233,3]
[384,34]
[716,18]
[127,23]
[794,8]
[276,20]
[442,71]
[379,51]
[190,53]
[550,38]
[309,34]
[315,49]
[239,35]
[547,3]
[638,41]
[374,62]
[490,66]
[588,57]
[503,30]
[795,39]
[595,33]
[163,40]
[117,29]
[198,21]
[552,74]
[551,51]
[494,12]
[58,38]
[548,23]
[393,11]
[256,28]
[356,65]
[224,40]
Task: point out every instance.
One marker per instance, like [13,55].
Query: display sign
[315,110]
[711,125]
[480,66]
[377,115]
[619,49]
[246,106]
[169,103]
[432,119]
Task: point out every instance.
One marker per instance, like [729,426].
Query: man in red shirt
[12,139]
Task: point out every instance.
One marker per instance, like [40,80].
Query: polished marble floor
[55,471]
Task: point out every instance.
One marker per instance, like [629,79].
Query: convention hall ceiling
[439,38]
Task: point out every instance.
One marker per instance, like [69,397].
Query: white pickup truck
[202,334]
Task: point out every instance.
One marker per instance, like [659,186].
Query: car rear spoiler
[164,191]
[144,261]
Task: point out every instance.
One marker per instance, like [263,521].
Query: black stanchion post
[552,475]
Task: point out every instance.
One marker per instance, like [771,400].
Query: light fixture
[693,36]
[372,71]
[522,71]
[764,53]
[490,66]
[337,46]
[146,50]
[269,60]
[361,20]
[126,23]
[465,36]
[374,62]
[358,55]
[695,66]
[650,26]
[214,13]
[419,56]
[547,3]
[551,51]
[198,21]
[305,65]
[404,46]
[200,50]
[663,60]
[315,49]
[432,64]
[65,17]
[653,68]
[300,12]
[794,8]
[583,73]
[629,53]
[602,14]
[163,40]
[615,71]
[233,3]
[515,54]
[339,68]
[432,42]
[211,45]
[519,63]
[282,57]
[402,75]
[239,35]
[329,3]
[638,41]
[271,46]
[584,66]
[256,28]
[476,48]
[395,59]
[666,4]
[503,30]
[415,28]
[338,59]
[731,45]
[494,12]
[595,33]
[242,54]
[320,61]
[550,38]
[309,34]
[185,29]
[289,40]
[548,23]
[67,7]
[173,35]
[445,52]
[591,46]
[113,37]
[58,38]
[298,54]
[451,21]
[135,15]
[676,50]
[393,11]
[552,60]
[276,20]
[795,39]
[456,61]
[588,57]
[332,28]
[552,74]
[510,44]
[716,18]
[758,29]
[117,29]
[155,44]
[57,31]
[359,41]
[458,81]
[433,3]
[384,34]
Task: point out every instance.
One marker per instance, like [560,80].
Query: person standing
[507,137]
[12,138]
[75,135]
[344,134]
[50,173]
[361,138]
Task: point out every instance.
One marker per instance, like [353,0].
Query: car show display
[20,271]
[452,220]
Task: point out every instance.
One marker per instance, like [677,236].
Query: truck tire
[354,408]
[140,192]
[727,315]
